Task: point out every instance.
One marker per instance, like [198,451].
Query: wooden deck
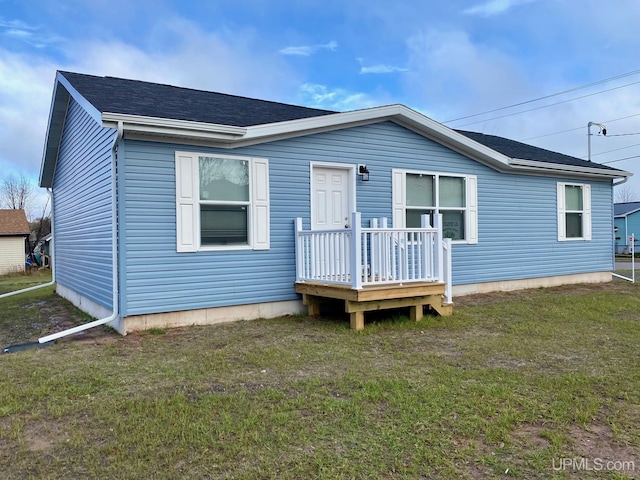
[379,297]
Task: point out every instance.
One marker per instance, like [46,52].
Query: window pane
[224,179]
[453,224]
[573,197]
[420,191]
[223,225]
[574,225]
[413,217]
[452,192]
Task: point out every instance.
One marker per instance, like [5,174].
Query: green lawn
[510,386]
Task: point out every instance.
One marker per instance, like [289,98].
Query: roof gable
[13,223]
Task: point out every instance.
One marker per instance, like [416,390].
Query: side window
[222,202]
[574,211]
[453,196]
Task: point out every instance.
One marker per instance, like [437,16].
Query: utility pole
[603,131]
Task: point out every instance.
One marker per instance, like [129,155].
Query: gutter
[624,180]
[49,339]
[114,249]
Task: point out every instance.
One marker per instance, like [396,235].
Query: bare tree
[625,194]
[16,192]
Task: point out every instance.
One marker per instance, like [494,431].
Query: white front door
[331,198]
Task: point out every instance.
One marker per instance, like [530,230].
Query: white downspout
[114,248]
[52,264]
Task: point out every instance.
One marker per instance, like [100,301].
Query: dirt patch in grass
[597,441]
[42,436]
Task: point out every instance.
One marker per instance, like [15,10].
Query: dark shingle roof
[624,209]
[13,223]
[514,149]
[134,97]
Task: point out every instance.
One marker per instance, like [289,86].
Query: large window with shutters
[428,193]
[574,211]
[222,202]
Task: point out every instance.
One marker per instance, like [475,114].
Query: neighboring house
[626,221]
[14,230]
[208,187]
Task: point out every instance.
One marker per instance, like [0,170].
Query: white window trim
[188,203]
[399,201]
[586,212]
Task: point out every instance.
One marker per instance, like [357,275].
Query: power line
[579,128]
[614,150]
[546,106]
[599,82]
[620,159]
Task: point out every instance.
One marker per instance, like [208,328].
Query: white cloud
[307,50]
[494,7]
[32,35]
[450,74]
[381,68]
[321,96]
[227,64]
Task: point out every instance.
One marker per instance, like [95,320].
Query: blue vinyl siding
[627,226]
[517,220]
[82,208]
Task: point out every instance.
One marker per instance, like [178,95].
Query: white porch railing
[379,255]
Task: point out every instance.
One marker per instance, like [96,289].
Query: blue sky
[445,58]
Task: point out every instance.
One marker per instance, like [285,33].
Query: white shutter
[186,202]
[260,229]
[398,195]
[562,227]
[472,209]
[586,212]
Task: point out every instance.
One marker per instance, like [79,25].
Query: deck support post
[357,320]
[313,304]
[415,312]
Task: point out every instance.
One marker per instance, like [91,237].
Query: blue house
[174,206]
[626,221]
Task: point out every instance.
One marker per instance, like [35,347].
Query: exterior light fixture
[364,172]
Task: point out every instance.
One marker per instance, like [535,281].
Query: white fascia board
[533,165]
[84,103]
[397,113]
[170,127]
[448,137]
[331,121]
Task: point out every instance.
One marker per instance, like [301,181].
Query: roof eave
[573,170]
[138,124]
